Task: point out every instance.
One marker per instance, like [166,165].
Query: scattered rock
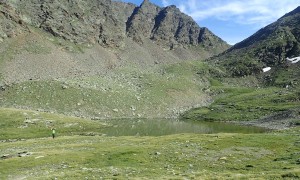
[6,156]
[24,154]
[223,158]
[48,121]
[38,157]
[27,121]
[249,166]
[64,86]
[70,125]
[23,126]
[114,171]
[157,153]
[133,108]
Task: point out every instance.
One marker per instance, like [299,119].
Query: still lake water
[160,127]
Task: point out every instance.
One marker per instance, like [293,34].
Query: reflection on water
[160,127]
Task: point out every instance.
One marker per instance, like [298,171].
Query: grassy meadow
[81,151]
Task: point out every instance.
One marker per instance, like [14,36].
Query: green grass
[252,98]
[245,104]
[20,124]
[273,155]
[284,77]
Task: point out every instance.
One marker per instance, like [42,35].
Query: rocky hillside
[269,47]
[106,33]
[102,58]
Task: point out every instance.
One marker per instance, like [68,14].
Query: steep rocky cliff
[108,34]
[142,21]
[79,21]
[108,22]
[11,23]
[169,27]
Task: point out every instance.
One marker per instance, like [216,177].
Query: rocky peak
[109,23]
[142,20]
[172,7]
[175,28]
[168,27]
[208,39]
[146,2]
[148,7]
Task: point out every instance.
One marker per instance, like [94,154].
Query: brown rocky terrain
[111,34]
[102,58]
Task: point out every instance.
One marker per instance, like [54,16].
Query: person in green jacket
[53,133]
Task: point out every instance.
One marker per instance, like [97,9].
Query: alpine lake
[161,127]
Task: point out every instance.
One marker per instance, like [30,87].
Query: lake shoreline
[272,124]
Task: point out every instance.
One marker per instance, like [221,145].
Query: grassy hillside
[75,154]
[250,104]
[234,101]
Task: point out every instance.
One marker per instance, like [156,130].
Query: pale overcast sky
[232,20]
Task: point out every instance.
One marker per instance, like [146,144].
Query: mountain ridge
[268,47]
[72,21]
[125,33]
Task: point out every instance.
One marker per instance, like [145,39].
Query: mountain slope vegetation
[272,96]
[269,47]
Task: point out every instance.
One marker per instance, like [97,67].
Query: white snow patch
[266,69]
[293,60]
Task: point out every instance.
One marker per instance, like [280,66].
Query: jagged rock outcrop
[169,26]
[142,21]
[11,23]
[73,38]
[108,22]
[175,28]
[79,21]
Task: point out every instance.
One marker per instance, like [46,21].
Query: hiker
[53,133]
